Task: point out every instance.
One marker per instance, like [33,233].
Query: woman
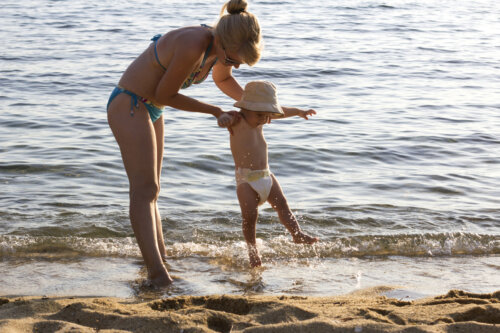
[172,62]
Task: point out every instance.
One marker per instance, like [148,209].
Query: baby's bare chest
[248,138]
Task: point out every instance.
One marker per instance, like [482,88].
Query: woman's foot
[162,280]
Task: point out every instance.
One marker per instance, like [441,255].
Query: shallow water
[398,173]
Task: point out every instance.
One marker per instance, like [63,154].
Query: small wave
[481,138]
[309,73]
[402,28]
[424,245]
[30,246]
[370,6]
[433,49]
[452,120]
[384,6]
[32,168]
[116,30]
[8,58]
[65,26]
[444,190]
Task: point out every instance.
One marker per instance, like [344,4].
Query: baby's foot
[302,238]
[253,255]
[255,262]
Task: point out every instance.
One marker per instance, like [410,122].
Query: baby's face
[256,118]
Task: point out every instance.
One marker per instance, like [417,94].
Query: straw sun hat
[260,96]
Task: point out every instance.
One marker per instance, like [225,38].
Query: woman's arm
[223,78]
[179,68]
[183,102]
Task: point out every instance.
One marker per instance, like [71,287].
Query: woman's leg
[137,140]
[249,200]
[279,203]
[160,140]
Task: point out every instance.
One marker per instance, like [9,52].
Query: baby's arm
[290,112]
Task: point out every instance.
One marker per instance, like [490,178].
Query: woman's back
[145,72]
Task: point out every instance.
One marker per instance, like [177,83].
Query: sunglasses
[228,60]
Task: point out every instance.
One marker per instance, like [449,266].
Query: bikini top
[191,78]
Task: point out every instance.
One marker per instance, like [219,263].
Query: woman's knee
[145,192]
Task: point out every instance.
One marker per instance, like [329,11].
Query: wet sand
[363,311]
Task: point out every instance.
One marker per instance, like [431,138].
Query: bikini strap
[155,39]
[209,47]
[207,52]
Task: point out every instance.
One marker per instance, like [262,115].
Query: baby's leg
[249,200]
[279,203]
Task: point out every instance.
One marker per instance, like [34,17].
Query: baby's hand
[305,114]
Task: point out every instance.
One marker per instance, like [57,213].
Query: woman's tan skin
[141,141]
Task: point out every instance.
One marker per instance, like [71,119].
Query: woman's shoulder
[184,44]
[189,37]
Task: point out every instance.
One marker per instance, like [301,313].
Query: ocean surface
[398,173]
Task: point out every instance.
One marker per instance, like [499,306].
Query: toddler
[255,183]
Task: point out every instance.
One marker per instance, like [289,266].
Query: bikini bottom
[154,111]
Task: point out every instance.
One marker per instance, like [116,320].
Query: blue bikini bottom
[154,111]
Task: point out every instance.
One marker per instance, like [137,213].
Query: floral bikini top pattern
[192,77]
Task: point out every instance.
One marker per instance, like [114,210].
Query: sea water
[398,173]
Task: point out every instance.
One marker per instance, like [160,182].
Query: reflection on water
[397,173]
[126,277]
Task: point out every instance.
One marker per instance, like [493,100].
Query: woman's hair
[239,31]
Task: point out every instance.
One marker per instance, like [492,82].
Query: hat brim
[273,109]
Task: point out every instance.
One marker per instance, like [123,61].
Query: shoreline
[365,310]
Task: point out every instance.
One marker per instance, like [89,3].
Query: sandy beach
[363,311]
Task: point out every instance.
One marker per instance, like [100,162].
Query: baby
[255,184]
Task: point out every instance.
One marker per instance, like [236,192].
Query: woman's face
[229,58]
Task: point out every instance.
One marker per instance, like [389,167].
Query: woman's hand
[225,120]
[228,120]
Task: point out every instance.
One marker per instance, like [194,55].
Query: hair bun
[236,6]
